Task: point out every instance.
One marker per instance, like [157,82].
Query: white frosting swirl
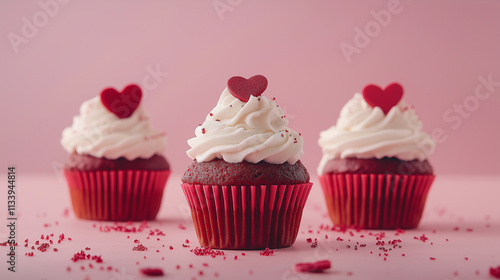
[366,132]
[100,133]
[252,131]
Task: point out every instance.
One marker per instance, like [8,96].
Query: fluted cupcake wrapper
[116,195]
[246,217]
[376,201]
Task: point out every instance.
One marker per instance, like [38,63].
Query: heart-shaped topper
[242,88]
[124,103]
[383,98]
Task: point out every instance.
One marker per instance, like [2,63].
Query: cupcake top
[376,124]
[113,125]
[246,126]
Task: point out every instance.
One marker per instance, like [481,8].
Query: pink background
[435,49]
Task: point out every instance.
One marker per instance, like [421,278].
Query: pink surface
[315,54]
[457,239]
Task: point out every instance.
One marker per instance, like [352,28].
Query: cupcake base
[376,201]
[116,195]
[246,217]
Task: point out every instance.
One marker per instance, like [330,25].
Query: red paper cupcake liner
[376,201]
[246,217]
[116,195]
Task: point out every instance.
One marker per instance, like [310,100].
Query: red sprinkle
[140,247]
[152,271]
[206,252]
[319,266]
[43,247]
[495,272]
[267,252]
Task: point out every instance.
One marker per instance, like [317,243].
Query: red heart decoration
[124,103]
[385,99]
[242,88]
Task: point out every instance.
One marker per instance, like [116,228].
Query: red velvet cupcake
[374,171]
[246,186]
[115,170]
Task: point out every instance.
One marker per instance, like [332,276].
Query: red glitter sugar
[200,273]
[140,247]
[184,245]
[181,226]
[235,257]
[495,272]
[137,241]
[318,266]
[56,250]
[205,264]
[177,267]
[206,252]
[432,259]
[170,247]
[309,240]
[43,247]
[187,241]
[30,254]
[87,248]
[152,271]
[267,252]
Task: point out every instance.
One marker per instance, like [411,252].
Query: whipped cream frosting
[251,131]
[100,133]
[366,132]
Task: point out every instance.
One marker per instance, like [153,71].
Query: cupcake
[246,186]
[115,169]
[375,171]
